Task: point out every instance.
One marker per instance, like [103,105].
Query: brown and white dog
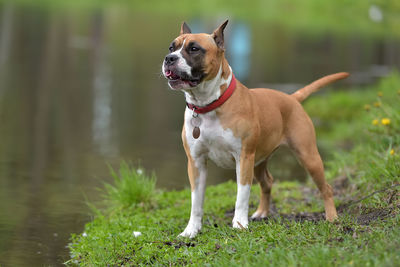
[236,127]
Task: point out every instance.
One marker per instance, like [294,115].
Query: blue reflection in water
[239,50]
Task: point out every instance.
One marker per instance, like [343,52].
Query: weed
[132,186]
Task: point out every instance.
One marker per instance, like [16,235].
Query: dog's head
[194,58]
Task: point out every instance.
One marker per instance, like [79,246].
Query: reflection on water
[102,97]
[82,89]
[239,50]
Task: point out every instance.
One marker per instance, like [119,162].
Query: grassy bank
[362,128]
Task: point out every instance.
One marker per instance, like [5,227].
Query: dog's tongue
[171,75]
[192,83]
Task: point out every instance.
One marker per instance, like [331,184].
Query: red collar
[217,103]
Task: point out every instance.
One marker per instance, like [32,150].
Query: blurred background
[80,87]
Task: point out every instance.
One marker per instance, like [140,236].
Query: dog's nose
[170,59]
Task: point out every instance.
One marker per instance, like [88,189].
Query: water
[82,88]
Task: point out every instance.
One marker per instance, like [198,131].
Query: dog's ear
[218,35]
[185,28]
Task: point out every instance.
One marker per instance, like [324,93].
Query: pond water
[82,88]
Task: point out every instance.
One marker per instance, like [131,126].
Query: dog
[237,127]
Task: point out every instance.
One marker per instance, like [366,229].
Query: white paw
[191,230]
[259,215]
[240,222]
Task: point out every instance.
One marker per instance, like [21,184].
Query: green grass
[374,159]
[131,187]
[366,234]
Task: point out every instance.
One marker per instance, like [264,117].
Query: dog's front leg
[244,177]
[197,172]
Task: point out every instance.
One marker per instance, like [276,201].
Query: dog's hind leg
[302,141]
[265,180]
[313,164]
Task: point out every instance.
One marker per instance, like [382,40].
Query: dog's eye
[194,49]
[171,48]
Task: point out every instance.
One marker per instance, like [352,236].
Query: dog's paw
[191,230]
[259,215]
[331,217]
[240,222]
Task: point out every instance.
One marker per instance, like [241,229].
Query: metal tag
[196,122]
[196,132]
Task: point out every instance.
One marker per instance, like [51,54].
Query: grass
[366,234]
[370,121]
[131,187]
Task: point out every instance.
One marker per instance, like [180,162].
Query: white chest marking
[215,142]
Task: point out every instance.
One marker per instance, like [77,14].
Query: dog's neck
[209,91]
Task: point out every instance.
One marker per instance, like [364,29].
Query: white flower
[136,234]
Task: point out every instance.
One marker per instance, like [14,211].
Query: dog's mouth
[180,81]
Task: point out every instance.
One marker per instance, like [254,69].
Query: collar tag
[196,122]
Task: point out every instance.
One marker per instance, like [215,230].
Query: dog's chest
[215,142]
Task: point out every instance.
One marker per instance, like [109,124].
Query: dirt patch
[179,244]
[298,217]
[341,187]
[367,217]
[376,214]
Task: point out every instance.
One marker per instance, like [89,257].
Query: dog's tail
[313,87]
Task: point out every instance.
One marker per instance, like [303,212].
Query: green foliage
[375,130]
[366,233]
[339,114]
[131,187]
[367,121]
[377,161]
[314,16]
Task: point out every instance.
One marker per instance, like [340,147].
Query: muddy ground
[342,189]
